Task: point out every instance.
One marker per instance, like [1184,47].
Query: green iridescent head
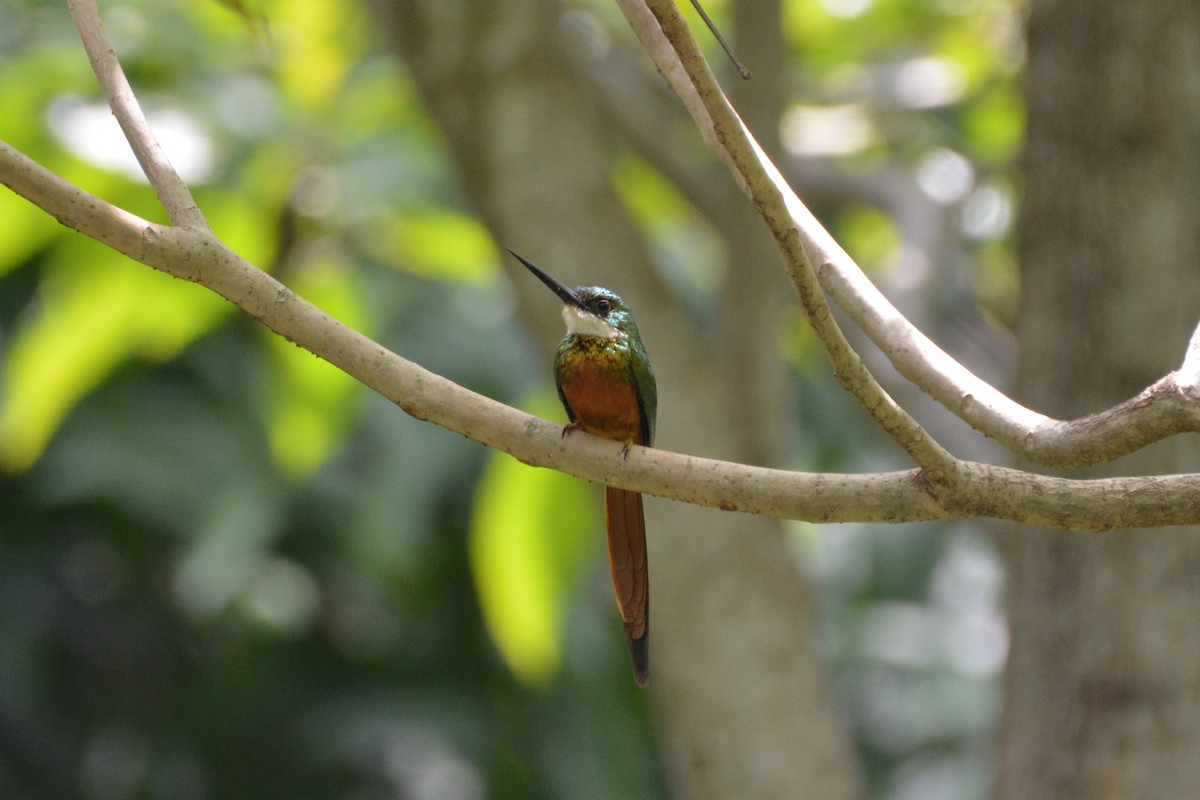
[589,310]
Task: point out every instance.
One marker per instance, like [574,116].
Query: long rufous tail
[626,527]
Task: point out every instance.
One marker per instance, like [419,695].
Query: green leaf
[871,235]
[995,124]
[252,17]
[97,310]
[435,243]
[24,229]
[532,533]
[315,59]
[686,248]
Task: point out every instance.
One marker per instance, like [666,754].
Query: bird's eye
[603,306]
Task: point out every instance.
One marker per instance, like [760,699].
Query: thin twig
[741,68]
[172,192]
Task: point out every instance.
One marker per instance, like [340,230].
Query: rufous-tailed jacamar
[606,385]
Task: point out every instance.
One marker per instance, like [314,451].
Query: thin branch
[741,68]
[1167,407]
[172,192]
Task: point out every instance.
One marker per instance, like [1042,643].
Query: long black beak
[565,294]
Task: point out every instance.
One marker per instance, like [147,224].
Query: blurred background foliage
[227,570]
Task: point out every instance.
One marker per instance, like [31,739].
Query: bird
[606,385]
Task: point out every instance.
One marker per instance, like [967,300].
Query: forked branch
[172,192]
[1167,407]
[944,487]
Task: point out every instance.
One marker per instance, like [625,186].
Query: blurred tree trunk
[743,704]
[1103,684]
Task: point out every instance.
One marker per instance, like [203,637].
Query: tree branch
[982,490]
[193,253]
[1165,408]
[172,192]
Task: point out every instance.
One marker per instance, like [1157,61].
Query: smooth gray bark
[1103,684]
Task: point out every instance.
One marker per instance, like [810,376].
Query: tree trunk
[744,710]
[1103,683]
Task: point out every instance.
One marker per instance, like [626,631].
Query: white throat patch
[585,324]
